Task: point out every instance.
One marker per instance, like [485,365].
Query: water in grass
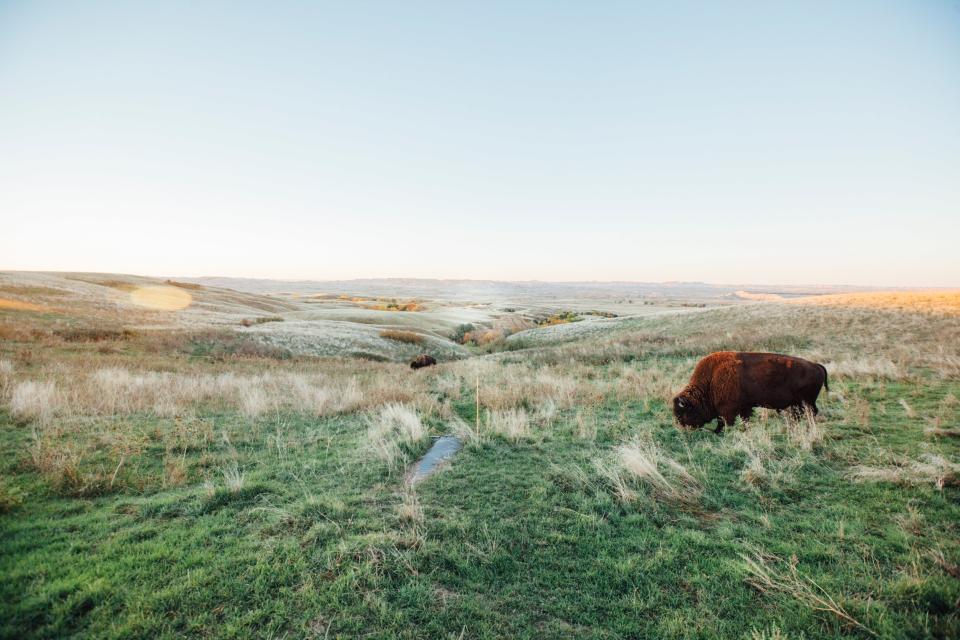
[442,450]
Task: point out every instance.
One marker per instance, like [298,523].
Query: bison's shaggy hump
[728,384]
[423,360]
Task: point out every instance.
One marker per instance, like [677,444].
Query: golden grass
[8,304]
[932,302]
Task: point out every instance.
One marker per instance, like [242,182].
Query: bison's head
[688,412]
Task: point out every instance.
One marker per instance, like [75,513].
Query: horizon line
[503,281]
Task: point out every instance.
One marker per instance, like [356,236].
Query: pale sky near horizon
[747,142]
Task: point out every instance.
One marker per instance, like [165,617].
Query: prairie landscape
[231,459]
[405,320]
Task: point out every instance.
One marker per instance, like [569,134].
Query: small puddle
[442,450]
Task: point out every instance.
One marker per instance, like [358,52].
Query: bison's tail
[824,369]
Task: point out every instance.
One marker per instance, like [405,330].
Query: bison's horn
[679,402]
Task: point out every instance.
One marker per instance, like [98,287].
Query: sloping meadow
[144,494]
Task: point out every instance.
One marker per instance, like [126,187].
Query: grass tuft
[769,579]
[512,424]
[233,477]
[644,465]
[929,469]
[34,400]
[392,427]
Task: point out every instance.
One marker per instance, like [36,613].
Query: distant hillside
[940,302]
[463,290]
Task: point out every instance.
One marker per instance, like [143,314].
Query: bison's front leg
[725,421]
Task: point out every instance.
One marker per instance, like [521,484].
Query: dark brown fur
[728,384]
[423,360]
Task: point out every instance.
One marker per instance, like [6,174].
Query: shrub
[460,333]
[558,318]
[408,337]
[94,334]
[249,322]
[11,497]
[394,305]
[485,337]
[184,285]
[221,345]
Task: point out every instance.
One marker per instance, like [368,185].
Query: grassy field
[171,483]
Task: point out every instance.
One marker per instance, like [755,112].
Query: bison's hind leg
[795,411]
[801,409]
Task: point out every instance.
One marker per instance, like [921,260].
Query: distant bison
[728,384]
[423,360]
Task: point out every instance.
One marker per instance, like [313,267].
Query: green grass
[516,540]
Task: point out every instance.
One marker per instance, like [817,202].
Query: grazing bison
[423,360]
[728,384]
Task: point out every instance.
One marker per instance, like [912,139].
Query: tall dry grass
[774,446]
[642,465]
[513,424]
[35,400]
[803,430]
[757,444]
[114,391]
[6,374]
[514,385]
[390,428]
[521,394]
[852,342]
[768,577]
[930,468]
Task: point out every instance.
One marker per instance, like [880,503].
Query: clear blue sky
[760,142]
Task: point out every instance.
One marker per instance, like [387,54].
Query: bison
[423,360]
[728,384]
